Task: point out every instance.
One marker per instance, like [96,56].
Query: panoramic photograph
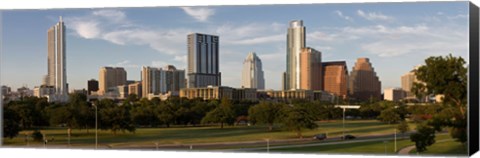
[357,78]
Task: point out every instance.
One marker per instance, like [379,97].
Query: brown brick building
[335,78]
[364,83]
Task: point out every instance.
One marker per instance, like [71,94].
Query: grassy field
[189,135]
[378,147]
[448,147]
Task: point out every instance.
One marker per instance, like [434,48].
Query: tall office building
[111,77]
[92,86]
[57,70]
[364,83]
[203,60]
[157,81]
[252,74]
[407,83]
[310,69]
[393,94]
[295,42]
[335,78]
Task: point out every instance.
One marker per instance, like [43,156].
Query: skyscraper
[295,42]
[203,60]
[160,81]
[252,73]
[111,77]
[407,83]
[57,70]
[310,69]
[364,83]
[335,78]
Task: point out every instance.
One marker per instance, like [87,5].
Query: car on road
[348,137]
[320,136]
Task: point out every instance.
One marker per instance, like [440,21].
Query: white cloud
[373,16]
[125,64]
[340,14]
[86,29]
[261,40]
[159,64]
[114,15]
[199,13]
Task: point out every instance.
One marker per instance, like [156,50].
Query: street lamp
[96,124]
[343,123]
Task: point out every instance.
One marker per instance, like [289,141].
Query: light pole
[343,123]
[96,124]
[395,140]
[268,145]
[385,143]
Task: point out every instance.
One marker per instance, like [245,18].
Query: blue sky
[395,36]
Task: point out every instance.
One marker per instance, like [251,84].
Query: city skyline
[116,37]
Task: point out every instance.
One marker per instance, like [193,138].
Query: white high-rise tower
[295,42]
[57,70]
[252,74]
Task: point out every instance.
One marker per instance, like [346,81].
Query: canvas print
[358,78]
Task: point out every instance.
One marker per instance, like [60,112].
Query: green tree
[265,113]
[403,127]
[446,76]
[298,118]
[425,136]
[389,116]
[221,114]
[11,125]
[166,113]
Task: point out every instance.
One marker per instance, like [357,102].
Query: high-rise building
[407,83]
[203,60]
[310,69]
[335,78]
[157,81]
[57,70]
[135,88]
[92,86]
[111,77]
[393,94]
[252,73]
[295,42]
[364,83]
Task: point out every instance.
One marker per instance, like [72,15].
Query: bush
[37,136]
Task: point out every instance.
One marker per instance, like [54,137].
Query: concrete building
[295,42]
[56,60]
[335,78]
[135,88]
[157,81]
[393,94]
[364,83]
[92,86]
[310,69]
[24,92]
[111,77]
[80,91]
[44,91]
[6,90]
[407,83]
[252,73]
[211,92]
[288,95]
[203,60]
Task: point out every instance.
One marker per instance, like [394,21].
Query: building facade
[56,60]
[364,83]
[135,88]
[310,69]
[92,86]
[203,60]
[252,73]
[211,92]
[393,94]
[295,42]
[335,78]
[157,81]
[111,77]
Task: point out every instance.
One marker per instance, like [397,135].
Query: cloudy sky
[395,36]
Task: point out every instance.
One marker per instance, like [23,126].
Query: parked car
[348,137]
[320,136]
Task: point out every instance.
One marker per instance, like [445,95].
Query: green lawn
[376,147]
[449,147]
[188,135]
